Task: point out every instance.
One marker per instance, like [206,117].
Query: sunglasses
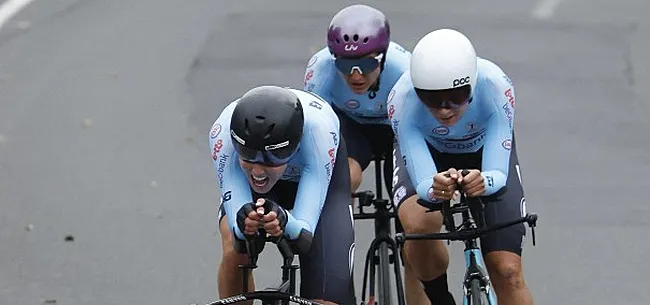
[268,157]
[449,98]
[362,65]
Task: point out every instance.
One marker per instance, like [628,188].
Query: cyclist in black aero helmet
[283,151]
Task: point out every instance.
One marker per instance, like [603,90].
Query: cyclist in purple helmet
[359,34]
[355,73]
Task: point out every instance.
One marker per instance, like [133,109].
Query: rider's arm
[496,152]
[318,148]
[413,146]
[318,75]
[233,185]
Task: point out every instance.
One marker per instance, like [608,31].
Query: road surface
[105,108]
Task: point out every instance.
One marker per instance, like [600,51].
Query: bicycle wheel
[477,295]
[384,275]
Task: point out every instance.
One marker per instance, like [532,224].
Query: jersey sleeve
[318,76]
[232,182]
[318,147]
[402,111]
[496,151]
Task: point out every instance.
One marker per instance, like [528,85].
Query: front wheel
[476,295]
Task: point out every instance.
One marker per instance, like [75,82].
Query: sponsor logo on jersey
[507,79]
[216,148]
[461,144]
[312,61]
[395,124]
[390,96]
[471,126]
[489,180]
[352,104]
[508,113]
[441,130]
[221,168]
[399,194]
[308,76]
[507,144]
[335,138]
[291,173]
[216,129]
[430,194]
[511,98]
[331,154]
[391,111]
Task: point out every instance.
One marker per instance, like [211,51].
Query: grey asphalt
[105,108]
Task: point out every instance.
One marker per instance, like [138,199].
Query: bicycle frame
[281,294]
[377,254]
[474,264]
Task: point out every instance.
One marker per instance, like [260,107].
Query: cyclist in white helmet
[453,111]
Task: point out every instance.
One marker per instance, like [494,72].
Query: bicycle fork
[382,252]
[476,270]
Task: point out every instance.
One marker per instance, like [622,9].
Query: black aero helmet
[266,125]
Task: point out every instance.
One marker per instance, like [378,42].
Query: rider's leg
[428,258]
[502,249]
[413,289]
[230,275]
[326,269]
[355,174]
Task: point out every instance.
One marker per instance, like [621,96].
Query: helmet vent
[346,37]
[355,37]
[268,132]
[338,40]
[247,130]
[365,40]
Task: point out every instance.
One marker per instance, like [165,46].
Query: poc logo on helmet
[461,81]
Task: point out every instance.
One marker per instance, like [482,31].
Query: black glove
[256,243]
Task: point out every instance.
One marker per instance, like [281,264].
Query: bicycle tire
[477,295]
[267,297]
[385,295]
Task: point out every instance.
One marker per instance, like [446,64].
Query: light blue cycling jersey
[312,165]
[322,78]
[486,123]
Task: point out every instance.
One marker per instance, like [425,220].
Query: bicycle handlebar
[255,244]
[531,219]
[449,210]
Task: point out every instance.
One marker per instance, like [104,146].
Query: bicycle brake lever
[532,223]
[533,233]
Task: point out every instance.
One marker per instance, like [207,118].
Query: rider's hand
[272,224]
[443,186]
[253,221]
[473,183]
[270,221]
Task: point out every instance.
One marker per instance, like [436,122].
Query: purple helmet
[358,30]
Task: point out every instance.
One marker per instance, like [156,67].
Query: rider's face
[447,105]
[361,82]
[262,177]
[448,116]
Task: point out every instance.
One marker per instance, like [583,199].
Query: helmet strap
[372,91]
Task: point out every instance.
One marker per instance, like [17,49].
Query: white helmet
[443,59]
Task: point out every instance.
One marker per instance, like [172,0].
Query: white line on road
[545,9]
[11,8]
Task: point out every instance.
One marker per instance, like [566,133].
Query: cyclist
[454,111]
[281,147]
[355,73]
